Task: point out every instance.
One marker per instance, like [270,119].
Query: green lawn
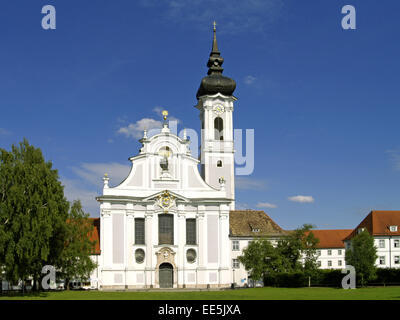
[371,293]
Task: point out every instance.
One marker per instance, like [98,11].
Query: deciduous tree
[33,211]
[362,256]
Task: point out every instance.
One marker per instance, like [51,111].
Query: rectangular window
[235,245]
[235,264]
[393,228]
[165,229]
[318,263]
[339,263]
[381,243]
[382,260]
[191,231]
[139,231]
[329,263]
[318,253]
[339,252]
[329,252]
[396,243]
[396,259]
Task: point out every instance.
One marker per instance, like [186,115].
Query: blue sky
[323,101]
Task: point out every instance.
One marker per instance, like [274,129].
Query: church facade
[171,225]
[167,224]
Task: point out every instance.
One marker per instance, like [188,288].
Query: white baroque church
[167,224]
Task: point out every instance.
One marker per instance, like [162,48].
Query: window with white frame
[393,228]
[339,252]
[396,259]
[381,243]
[235,245]
[396,243]
[318,263]
[339,263]
[329,252]
[329,263]
[382,260]
[235,264]
[318,252]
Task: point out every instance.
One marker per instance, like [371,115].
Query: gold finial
[165,114]
[106,175]
[214,24]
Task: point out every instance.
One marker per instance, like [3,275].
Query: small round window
[191,255]
[139,255]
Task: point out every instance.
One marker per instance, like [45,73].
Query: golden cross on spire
[214,24]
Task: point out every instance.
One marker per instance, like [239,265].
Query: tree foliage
[362,256]
[33,211]
[33,218]
[299,250]
[75,262]
[294,253]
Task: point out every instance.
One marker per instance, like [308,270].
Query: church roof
[378,223]
[253,223]
[215,82]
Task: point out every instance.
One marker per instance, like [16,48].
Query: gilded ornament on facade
[166,200]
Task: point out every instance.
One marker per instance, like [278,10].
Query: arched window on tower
[219,164]
[219,129]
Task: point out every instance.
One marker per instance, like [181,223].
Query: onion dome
[215,82]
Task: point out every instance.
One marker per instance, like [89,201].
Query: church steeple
[215,61]
[215,82]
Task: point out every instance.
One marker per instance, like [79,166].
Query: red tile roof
[95,234]
[377,223]
[331,238]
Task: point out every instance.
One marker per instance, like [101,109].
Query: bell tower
[215,103]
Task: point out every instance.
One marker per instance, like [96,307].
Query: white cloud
[73,190]
[153,126]
[241,206]
[158,110]
[4,132]
[92,173]
[266,205]
[244,183]
[87,183]
[135,130]
[395,158]
[302,199]
[249,80]
[234,16]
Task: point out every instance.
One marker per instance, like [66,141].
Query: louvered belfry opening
[165,229]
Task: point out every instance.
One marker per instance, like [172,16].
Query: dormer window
[360,230]
[255,230]
[393,228]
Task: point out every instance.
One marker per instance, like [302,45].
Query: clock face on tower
[219,109]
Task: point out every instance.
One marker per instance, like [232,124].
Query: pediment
[157,195]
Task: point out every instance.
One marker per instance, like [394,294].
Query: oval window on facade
[139,255]
[191,255]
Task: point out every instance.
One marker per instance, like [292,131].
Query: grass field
[370,293]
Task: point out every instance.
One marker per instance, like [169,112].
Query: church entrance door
[166,275]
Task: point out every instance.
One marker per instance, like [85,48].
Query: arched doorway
[166,275]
